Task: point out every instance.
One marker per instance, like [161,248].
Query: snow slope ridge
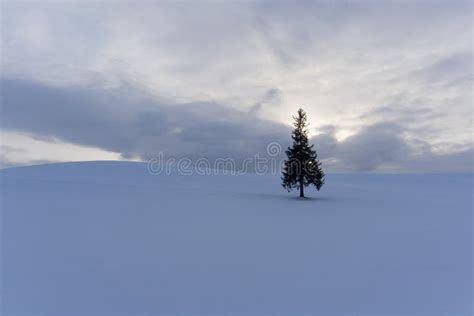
[98,238]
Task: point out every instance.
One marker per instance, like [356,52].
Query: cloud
[225,78]
[137,126]
[124,121]
[453,71]
[272,98]
[374,146]
[385,147]
[19,149]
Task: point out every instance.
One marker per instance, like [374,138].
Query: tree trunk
[301,189]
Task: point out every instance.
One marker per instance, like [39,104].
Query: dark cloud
[383,147]
[375,146]
[126,121]
[134,127]
[460,161]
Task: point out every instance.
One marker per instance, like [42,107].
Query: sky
[387,85]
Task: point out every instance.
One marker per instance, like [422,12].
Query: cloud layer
[126,121]
[387,86]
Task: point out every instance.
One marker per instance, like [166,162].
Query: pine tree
[302,167]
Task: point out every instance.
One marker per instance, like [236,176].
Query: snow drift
[102,238]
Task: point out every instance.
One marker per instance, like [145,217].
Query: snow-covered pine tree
[302,167]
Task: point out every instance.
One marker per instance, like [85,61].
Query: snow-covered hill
[103,238]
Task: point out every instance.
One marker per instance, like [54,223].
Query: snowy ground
[107,238]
